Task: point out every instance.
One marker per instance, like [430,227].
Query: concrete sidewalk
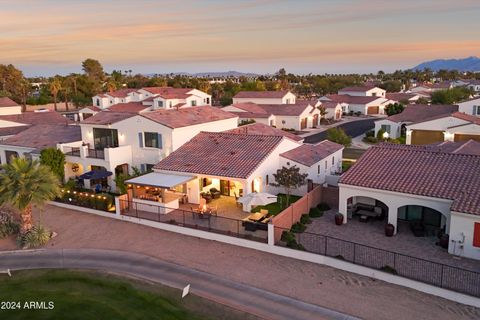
[249,299]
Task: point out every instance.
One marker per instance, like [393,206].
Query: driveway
[308,282]
[353,129]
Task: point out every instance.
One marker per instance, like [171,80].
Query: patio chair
[238,204]
[215,193]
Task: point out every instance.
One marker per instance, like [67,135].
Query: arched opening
[423,221]
[366,209]
[403,130]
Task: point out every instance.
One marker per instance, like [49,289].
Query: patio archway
[366,208]
[423,220]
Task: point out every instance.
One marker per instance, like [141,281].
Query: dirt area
[321,285]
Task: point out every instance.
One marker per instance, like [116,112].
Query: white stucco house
[396,125]
[427,87]
[456,127]
[117,141]
[474,85]
[8,107]
[363,91]
[470,106]
[235,163]
[265,97]
[298,116]
[334,109]
[366,105]
[433,187]
[403,97]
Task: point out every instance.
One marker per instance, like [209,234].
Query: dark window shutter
[140,139]
[159,141]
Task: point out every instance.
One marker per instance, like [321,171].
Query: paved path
[353,129]
[239,296]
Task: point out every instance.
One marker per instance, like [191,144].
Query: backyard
[88,295]
[277,207]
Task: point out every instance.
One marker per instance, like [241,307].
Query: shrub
[287,236]
[350,113]
[339,136]
[370,140]
[305,219]
[294,245]
[388,269]
[315,213]
[298,227]
[8,226]
[38,236]
[370,133]
[322,206]
[245,122]
[380,134]
[358,113]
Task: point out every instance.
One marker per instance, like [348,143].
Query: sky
[47,37]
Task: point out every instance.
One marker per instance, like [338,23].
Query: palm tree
[24,183]
[55,87]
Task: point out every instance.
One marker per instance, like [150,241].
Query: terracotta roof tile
[132,107]
[188,116]
[309,154]
[261,94]
[7,102]
[50,117]
[263,130]
[421,112]
[108,117]
[221,154]
[421,171]
[169,92]
[122,93]
[357,88]
[352,99]
[44,136]
[275,109]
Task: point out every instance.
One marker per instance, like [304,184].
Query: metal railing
[86,202]
[97,154]
[191,219]
[434,273]
[71,151]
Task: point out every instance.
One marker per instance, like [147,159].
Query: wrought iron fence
[72,151]
[434,273]
[191,219]
[97,154]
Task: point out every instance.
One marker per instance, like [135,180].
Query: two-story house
[265,97]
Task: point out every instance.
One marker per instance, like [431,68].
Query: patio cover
[161,180]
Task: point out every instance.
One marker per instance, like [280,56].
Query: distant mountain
[467,64]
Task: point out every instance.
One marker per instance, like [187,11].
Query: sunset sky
[47,37]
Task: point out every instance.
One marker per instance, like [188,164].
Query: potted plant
[338,219]
[444,238]
[389,229]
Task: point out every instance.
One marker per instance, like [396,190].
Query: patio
[404,242]
[228,218]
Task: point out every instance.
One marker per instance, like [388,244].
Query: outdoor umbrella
[95,174]
[257,199]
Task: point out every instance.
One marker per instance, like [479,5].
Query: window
[208,100]
[386,128]
[476,234]
[98,102]
[160,104]
[326,164]
[149,167]
[318,169]
[153,140]
[333,161]
[287,101]
[194,103]
[170,104]
[476,110]
[266,179]
[105,138]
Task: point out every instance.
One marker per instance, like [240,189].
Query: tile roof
[261,94]
[358,88]
[122,93]
[10,131]
[221,154]
[465,147]
[422,112]
[352,99]
[188,116]
[466,117]
[400,96]
[329,104]
[132,107]
[44,135]
[50,117]
[108,117]
[170,92]
[310,154]
[251,115]
[7,102]
[420,171]
[263,130]
[275,109]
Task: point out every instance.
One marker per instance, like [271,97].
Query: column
[342,203]
[393,216]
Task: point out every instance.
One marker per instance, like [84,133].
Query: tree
[323,111]
[55,87]
[338,135]
[450,96]
[24,183]
[55,160]
[93,69]
[12,83]
[391,86]
[394,108]
[289,178]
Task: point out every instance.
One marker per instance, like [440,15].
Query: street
[353,129]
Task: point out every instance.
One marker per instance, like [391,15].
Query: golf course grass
[95,295]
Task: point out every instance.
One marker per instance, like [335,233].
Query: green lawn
[277,207]
[93,295]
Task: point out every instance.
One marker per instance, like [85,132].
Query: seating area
[365,212]
[257,221]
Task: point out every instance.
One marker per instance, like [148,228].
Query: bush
[294,245]
[298,227]
[287,236]
[305,219]
[370,133]
[339,136]
[380,134]
[315,213]
[388,269]
[358,113]
[38,236]
[372,140]
[322,206]
[8,226]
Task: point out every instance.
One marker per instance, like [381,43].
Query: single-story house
[403,97]
[367,105]
[457,126]
[395,125]
[363,91]
[333,109]
[470,106]
[434,188]
[8,106]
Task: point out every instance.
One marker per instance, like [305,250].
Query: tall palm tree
[24,183]
[55,87]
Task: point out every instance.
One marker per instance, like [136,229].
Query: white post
[117,206]
[271,234]
[342,204]
[393,217]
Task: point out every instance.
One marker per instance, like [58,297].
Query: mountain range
[467,64]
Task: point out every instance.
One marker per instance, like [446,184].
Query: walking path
[308,282]
[258,302]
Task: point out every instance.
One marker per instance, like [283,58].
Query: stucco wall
[461,235]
